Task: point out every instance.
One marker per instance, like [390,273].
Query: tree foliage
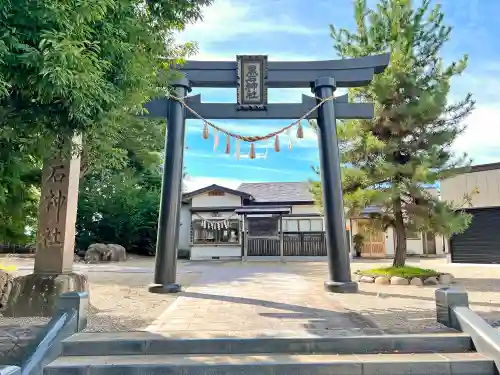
[389,161]
[83,66]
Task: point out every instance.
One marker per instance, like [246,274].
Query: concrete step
[142,343]
[275,364]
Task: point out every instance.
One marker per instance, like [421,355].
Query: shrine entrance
[252,76]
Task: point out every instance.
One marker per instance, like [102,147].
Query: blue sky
[299,30]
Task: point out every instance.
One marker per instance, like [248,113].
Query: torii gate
[252,76]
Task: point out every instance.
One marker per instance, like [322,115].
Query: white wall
[185,227]
[488,182]
[204,200]
[390,245]
[201,252]
[306,209]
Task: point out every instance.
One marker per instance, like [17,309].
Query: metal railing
[452,310]
[70,317]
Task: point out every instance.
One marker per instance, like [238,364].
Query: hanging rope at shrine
[254,138]
[214,223]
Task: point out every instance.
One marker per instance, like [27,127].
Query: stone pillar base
[38,294]
[165,289]
[341,286]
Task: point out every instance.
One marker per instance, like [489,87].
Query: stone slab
[415,364]
[135,343]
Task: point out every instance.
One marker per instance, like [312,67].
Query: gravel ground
[401,309]
[120,300]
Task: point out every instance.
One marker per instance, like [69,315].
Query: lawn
[406,272]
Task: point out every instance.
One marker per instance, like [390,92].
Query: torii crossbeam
[252,76]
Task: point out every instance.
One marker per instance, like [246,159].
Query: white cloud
[228,19]
[481,140]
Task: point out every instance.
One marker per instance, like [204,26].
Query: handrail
[453,311]
[53,334]
[70,317]
[10,370]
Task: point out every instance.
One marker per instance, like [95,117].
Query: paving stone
[255,298]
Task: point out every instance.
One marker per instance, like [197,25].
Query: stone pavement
[259,300]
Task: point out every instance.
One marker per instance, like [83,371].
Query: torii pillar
[252,76]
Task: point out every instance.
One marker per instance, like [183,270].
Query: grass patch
[407,272]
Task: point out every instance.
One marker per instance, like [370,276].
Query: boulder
[38,294]
[382,280]
[417,281]
[100,252]
[6,282]
[445,279]
[431,281]
[118,253]
[396,280]
[366,279]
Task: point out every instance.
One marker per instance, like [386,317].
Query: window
[216,193]
[303,225]
[229,235]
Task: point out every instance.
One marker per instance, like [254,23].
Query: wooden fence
[294,244]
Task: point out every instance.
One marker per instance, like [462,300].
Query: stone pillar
[169,216]
[37,294]
[333,204]
[57,218]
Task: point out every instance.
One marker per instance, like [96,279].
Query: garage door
[480,243]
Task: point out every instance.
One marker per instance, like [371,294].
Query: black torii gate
[252,76]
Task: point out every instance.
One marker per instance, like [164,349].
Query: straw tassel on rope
[251,154]
[228,144]
[277,143]
[216,139]
[237,149]
[300,131]
[205,131]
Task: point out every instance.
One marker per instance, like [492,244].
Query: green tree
[118,201]
[82,66]
[389,161]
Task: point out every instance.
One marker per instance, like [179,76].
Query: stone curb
[442,279]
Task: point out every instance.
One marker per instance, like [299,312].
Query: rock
[6,281]
[99,252]
[38,294]
[431,281]
[118,253]
[366,279]
[77,258]
[417,281]
[396,280]
[445,279]
[382,280]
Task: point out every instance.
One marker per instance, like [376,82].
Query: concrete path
[259,300]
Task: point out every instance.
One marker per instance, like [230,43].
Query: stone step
[275,364]
[142,343]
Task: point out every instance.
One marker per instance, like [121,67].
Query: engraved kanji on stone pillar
[57,213]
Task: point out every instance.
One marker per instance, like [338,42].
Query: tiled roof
[278,191]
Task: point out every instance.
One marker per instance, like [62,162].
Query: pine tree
[389,161]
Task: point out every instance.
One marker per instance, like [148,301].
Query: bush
[406,272]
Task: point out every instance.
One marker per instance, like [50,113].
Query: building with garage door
[480,243]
